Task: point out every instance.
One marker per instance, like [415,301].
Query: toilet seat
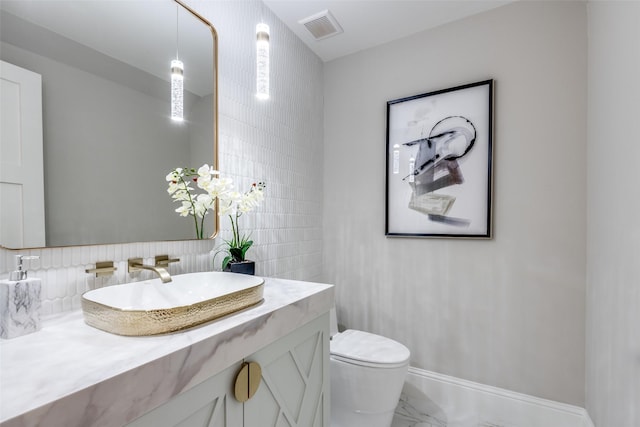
[366,349]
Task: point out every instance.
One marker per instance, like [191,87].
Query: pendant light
[262,61]
[177,81]
[177,90]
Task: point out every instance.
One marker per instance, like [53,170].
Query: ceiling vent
[322,25]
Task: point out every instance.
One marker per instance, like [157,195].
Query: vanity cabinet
[293,390]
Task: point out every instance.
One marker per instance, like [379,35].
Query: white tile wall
[278,141]
[63,275]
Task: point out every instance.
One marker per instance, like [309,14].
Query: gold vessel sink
[152,307]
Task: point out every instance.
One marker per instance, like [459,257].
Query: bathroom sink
[152,307]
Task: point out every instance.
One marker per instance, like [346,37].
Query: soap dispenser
[20,302]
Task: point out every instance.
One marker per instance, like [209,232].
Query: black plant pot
[243,267]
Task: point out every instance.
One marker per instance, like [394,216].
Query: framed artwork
[439,163]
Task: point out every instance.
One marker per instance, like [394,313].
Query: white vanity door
[21,158]
[209,404]
[294,391]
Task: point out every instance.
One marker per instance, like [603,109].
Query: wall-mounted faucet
[135,264]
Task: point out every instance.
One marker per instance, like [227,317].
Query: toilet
[367,375]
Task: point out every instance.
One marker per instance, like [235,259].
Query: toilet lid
[367,349]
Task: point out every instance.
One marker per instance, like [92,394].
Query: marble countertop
[70,374]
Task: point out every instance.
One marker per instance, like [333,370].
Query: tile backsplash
[63,275]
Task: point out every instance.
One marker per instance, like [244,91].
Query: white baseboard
[469,404]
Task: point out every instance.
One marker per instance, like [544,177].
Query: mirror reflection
[107,139]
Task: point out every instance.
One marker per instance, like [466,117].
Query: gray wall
[510,311]
[201,132]
[613,289]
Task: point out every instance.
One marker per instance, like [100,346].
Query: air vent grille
[322,25]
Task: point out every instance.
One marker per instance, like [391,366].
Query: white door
[21,163]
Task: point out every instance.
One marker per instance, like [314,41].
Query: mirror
[107,137]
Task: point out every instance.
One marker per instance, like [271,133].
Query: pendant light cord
[177,29]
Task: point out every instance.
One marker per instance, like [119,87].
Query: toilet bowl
[367,374]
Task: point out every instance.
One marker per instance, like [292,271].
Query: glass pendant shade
[177,90]
[262,60]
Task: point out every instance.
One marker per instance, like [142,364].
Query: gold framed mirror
[107,140]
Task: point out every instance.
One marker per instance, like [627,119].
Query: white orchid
[251,199]
[174,175]
[202,204]
[220,188]
[234,204]
[206,178]
[185,209]
[228,202]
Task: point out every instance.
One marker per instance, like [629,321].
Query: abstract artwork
[439,163]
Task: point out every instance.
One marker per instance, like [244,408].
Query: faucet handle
[133,265]
[164,260]
[103,268]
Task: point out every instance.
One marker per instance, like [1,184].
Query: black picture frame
[439,163]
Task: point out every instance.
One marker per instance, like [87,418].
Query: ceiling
[368,23]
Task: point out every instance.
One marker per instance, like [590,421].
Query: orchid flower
[230,202]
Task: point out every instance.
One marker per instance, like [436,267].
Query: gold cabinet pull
[247,381]
[103,268]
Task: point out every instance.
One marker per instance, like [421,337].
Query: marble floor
[415,409]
